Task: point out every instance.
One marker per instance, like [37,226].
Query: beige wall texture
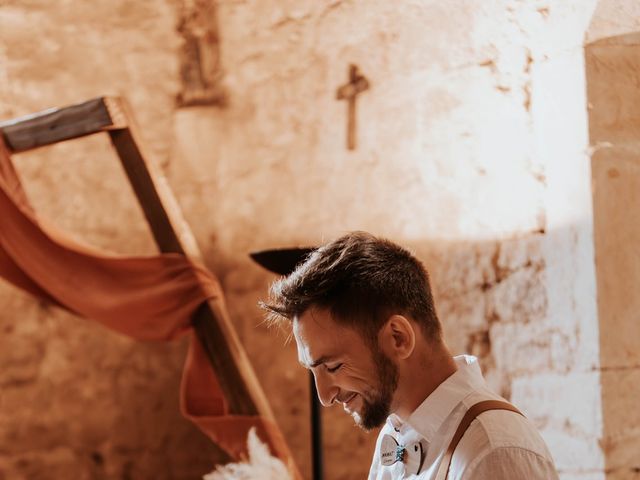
[613,63]
[473,151]
[76,400]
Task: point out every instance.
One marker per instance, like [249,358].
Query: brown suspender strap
[470,416]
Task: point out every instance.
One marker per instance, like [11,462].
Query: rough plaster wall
[613,69]
[472,152]
[77,401]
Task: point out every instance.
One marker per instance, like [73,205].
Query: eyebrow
[319,361]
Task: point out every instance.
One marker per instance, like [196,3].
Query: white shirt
[498,445]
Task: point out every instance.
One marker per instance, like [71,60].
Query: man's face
[346,370]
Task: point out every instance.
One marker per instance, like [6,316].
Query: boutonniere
[411,455]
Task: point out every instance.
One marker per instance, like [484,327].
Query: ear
[397,337]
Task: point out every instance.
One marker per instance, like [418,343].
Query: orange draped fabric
[147,298]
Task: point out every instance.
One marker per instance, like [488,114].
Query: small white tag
[388,451]
[413,458]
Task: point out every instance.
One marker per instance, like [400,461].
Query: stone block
[563,402]
[519,297]
[582,475]
[572,453]
[520,348]
[616,173]
[612,72]
[621,438]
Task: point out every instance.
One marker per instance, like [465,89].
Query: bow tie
[411,455]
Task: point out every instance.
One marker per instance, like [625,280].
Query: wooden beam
[211,323]
[144,187]
[58,124]
[172,234]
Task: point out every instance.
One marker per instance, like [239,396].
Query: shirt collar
[434,410]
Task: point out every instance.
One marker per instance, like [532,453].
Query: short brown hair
[362,280]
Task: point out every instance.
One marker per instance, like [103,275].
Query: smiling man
[364,323]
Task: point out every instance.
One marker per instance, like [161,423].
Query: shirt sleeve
[511,463]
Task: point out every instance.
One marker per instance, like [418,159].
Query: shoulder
[501,441]
[506,463]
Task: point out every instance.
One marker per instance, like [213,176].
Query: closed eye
[334,369]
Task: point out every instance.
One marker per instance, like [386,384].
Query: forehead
[318,335]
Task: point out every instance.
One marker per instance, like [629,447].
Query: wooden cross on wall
[357,84]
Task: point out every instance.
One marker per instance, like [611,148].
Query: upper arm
[510,463]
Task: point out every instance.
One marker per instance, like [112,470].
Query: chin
[358,421]
[366,426]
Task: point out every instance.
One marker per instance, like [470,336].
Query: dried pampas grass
[260,466]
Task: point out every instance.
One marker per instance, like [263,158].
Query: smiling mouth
[347,401]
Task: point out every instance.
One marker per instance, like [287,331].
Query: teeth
[350,398]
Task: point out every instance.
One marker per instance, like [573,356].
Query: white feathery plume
[260,466]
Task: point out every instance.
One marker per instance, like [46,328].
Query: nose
[327,391]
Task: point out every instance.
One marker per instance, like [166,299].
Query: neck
[422,373]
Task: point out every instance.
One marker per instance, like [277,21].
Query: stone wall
[472,151]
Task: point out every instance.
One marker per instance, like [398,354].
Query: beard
[377,407]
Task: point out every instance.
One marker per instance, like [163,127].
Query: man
[364,323]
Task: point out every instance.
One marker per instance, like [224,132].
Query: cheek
[356,376]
